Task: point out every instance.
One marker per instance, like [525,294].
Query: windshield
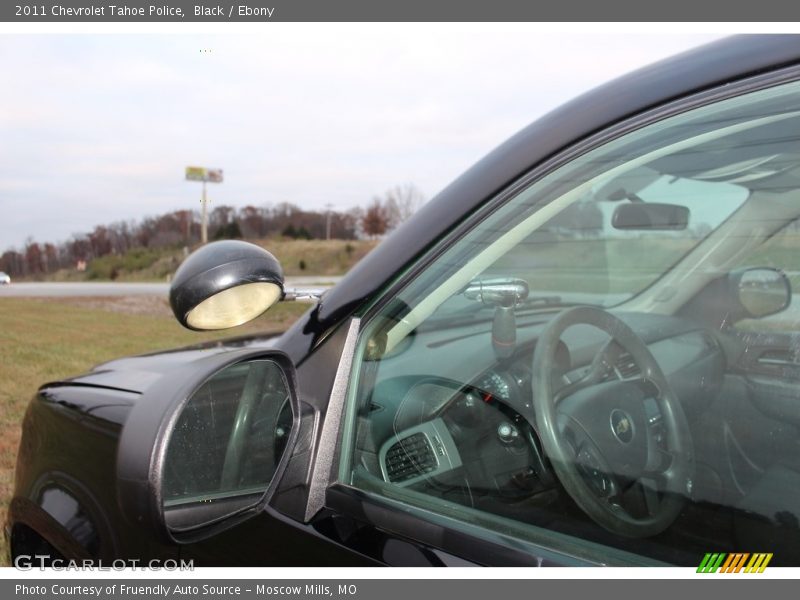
[629,217]
[578,256]
[581,255]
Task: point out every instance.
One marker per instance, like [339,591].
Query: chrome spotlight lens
[225,284]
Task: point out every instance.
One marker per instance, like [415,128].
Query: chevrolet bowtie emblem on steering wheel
[621,426]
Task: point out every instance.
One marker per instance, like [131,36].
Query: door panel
[269,541]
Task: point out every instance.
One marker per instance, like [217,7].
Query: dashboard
[448,418]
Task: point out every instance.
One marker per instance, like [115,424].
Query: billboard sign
[204,174]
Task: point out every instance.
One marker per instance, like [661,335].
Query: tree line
[183,228]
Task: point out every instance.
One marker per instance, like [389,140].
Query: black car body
[91,481]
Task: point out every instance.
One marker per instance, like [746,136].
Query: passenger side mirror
[198,457]
[762,291]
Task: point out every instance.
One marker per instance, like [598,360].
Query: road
[50,289]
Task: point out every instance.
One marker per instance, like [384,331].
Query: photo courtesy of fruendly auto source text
[294,289]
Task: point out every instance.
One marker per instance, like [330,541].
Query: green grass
[45,340]
[159,263]
[781,252]
[317,257]
[592,265]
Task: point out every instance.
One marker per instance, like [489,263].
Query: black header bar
[263,11]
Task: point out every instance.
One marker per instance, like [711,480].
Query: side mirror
[224,284]
[201,450]
[650,216]
[761,291]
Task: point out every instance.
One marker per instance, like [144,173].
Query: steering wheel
[604,447]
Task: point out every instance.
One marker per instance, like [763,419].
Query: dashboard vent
[410,457]
[626,367]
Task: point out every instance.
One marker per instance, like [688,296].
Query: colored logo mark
[735,562]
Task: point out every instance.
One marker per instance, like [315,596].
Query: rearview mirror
[650,216]
[200,456]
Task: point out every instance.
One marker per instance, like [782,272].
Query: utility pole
[329,206]
[204,175]
[204,218]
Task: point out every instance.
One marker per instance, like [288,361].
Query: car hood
[137,373]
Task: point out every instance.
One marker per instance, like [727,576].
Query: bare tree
[352,223]
[401,202]
[251,221]
[181,227]
[50,258]
[33,257]
[375,221]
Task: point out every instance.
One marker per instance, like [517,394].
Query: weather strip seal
[326,450]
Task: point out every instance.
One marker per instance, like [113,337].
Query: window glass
[565,372]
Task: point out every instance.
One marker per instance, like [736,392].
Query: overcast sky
[98,128]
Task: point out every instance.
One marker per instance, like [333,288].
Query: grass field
[44,340]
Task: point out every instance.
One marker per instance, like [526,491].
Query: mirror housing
[749,293]
[224,284]
[761,291]
[209,503]
[650,216]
